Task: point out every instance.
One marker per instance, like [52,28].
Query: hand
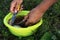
[15,4]
[33,17]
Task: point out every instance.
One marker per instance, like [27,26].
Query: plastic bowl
[18,31]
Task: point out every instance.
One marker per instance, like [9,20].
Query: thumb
[28,22]
[26,17]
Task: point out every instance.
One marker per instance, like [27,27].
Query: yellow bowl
[18,31]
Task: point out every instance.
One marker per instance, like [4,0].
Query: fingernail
[15,11]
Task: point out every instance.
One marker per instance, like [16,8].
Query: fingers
[28,20]
[16,5]
[21,8]
[13,4]
[28,23]
[31,20]
[25,18]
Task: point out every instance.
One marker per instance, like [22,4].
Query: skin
[16,5]
[36,13]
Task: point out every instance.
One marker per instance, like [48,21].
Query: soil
[19,19]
